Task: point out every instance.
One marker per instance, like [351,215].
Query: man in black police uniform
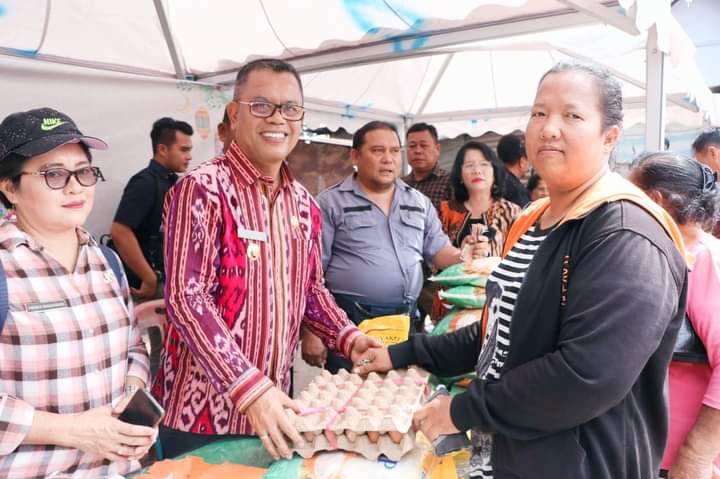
[136,229]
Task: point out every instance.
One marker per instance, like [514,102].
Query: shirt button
[253,252]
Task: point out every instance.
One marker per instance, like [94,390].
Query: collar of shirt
[162,171]
[351,184]
[248,174]
[11,236]
[436,172]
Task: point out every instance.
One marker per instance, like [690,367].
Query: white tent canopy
[466,66]
[366,58]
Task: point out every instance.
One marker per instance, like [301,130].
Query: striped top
[502,290]
[242,259]
[69,342]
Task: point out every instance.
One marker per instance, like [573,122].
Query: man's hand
[373,360]
[314,352]
[434,420]
[147,290]
[268,419]
[361,344]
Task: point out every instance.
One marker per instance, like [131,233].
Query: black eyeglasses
[58,178]
[264,109]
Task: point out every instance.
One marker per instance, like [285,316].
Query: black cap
[35,132]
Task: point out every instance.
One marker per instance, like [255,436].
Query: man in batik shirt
[243,267]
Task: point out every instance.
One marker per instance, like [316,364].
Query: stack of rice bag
[464,289]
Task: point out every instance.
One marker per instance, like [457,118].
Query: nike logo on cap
[51,123]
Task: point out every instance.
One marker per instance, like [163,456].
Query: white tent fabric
[202,40]
[471,88]
[467,65]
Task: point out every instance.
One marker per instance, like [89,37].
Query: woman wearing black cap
[69,344]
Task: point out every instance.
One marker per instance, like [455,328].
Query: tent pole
[433,87]
[607,15]
[176,60]
[633,81]
[655,94]
[405,166]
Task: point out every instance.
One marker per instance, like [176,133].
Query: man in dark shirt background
[423,154]
[137,228]
[511,151]
[706,150]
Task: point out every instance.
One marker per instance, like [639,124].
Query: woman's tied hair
[688,187]
[709,178]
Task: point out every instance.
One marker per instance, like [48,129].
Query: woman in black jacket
[581,314]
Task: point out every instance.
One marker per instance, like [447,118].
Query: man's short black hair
[163,132]
[510,149]
[417,127]
[272,64]
[359,136]
[710,137]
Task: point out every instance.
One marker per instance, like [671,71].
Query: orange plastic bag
[193,467]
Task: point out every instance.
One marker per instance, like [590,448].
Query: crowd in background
[608,287]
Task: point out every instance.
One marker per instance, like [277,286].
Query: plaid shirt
[68,344]
[436,185]
[243,270]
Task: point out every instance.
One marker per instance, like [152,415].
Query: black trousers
[174,443]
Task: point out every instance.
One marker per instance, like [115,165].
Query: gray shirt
[372,256]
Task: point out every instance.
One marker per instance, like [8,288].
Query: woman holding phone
[70,348]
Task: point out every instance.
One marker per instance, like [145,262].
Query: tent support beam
[100,66]
[325,106]
[435,83]
[655,94]
[418,44]
[465,115]
[604,14]
[174,56]
[627,78]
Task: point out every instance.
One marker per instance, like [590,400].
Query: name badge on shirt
[252,235]
[35,307]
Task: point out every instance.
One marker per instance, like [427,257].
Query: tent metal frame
[578,12]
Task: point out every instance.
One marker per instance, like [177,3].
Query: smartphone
[142,410]
[490,233]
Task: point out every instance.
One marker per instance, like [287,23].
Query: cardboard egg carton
[370,416]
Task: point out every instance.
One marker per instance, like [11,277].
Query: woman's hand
[434,420]
[687,468]
[373,360]
[97,431]
[479,247]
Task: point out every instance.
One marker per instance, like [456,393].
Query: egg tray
[370,416]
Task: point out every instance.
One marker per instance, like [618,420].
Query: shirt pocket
[359,231]
[413,233]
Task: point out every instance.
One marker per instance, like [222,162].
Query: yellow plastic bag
[391,329]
